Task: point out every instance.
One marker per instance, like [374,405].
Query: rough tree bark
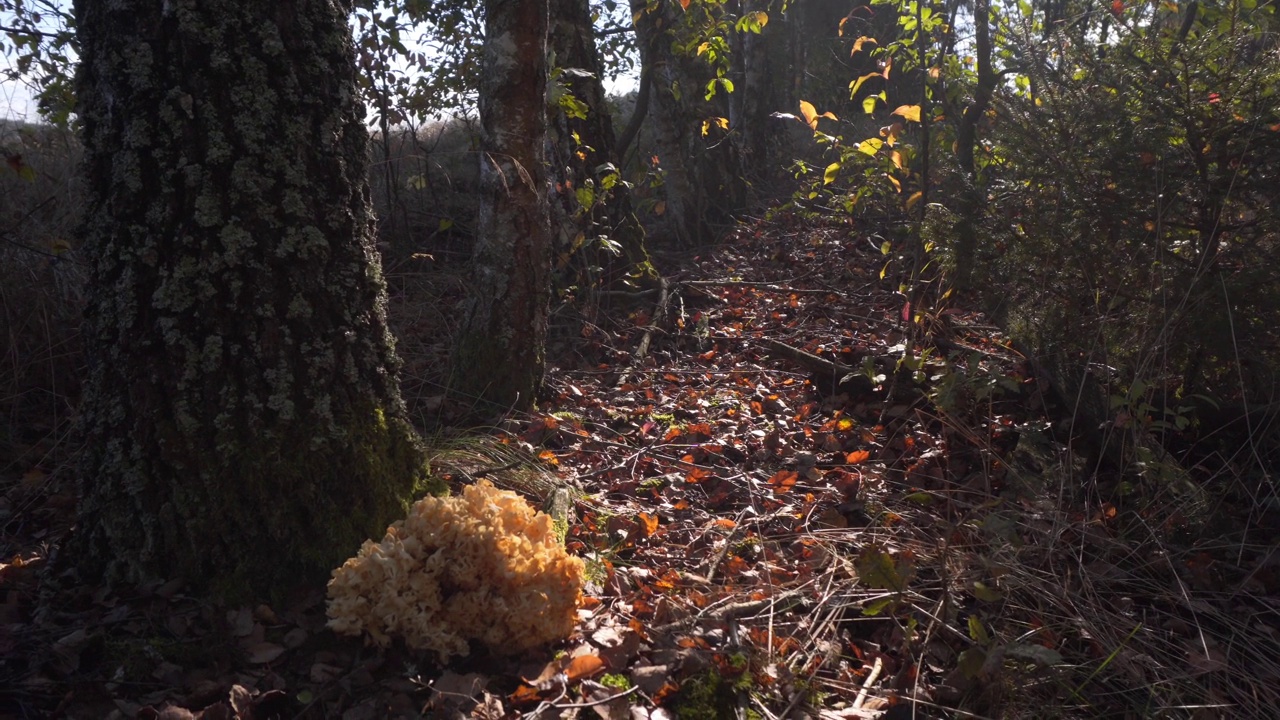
[243,425]
[498,357]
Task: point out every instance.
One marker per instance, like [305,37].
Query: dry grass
[1145,619]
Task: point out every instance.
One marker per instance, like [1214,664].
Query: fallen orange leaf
[584,666]
[783,480]
[524,695]
[648,523]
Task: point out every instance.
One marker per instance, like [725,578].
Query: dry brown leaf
[264,652]
[323,672]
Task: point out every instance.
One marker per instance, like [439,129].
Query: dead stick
[866,685]
[659,313]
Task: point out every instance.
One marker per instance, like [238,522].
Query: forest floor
[797,496]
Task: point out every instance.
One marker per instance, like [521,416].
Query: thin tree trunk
[638,113]
[243,425]
[499,354]
[972,202]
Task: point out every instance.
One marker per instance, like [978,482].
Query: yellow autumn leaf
[891,132]
[857,44]
[810,113]
[915,198]
[853,86]
[909,112]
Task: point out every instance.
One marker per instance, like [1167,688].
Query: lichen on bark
[243,424]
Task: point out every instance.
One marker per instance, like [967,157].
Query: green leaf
[611,245]
[978,632]
[877,607]
[573,107]
[752,22]
[986,594]
[878,569]
[970,662]
[832,171]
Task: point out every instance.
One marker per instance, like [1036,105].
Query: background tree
[498,357]
[242,419]
[667,39]
[592,205]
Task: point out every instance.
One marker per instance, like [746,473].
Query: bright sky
[17,103]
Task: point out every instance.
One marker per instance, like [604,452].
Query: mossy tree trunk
[498,356]
[591,201]
[243,424]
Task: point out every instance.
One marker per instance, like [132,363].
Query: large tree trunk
[243,425]
[498,357]
[583,149]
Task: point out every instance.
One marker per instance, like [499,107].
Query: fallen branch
[762,285]
[828,376]
[659,313]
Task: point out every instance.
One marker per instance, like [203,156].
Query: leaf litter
[798,496]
